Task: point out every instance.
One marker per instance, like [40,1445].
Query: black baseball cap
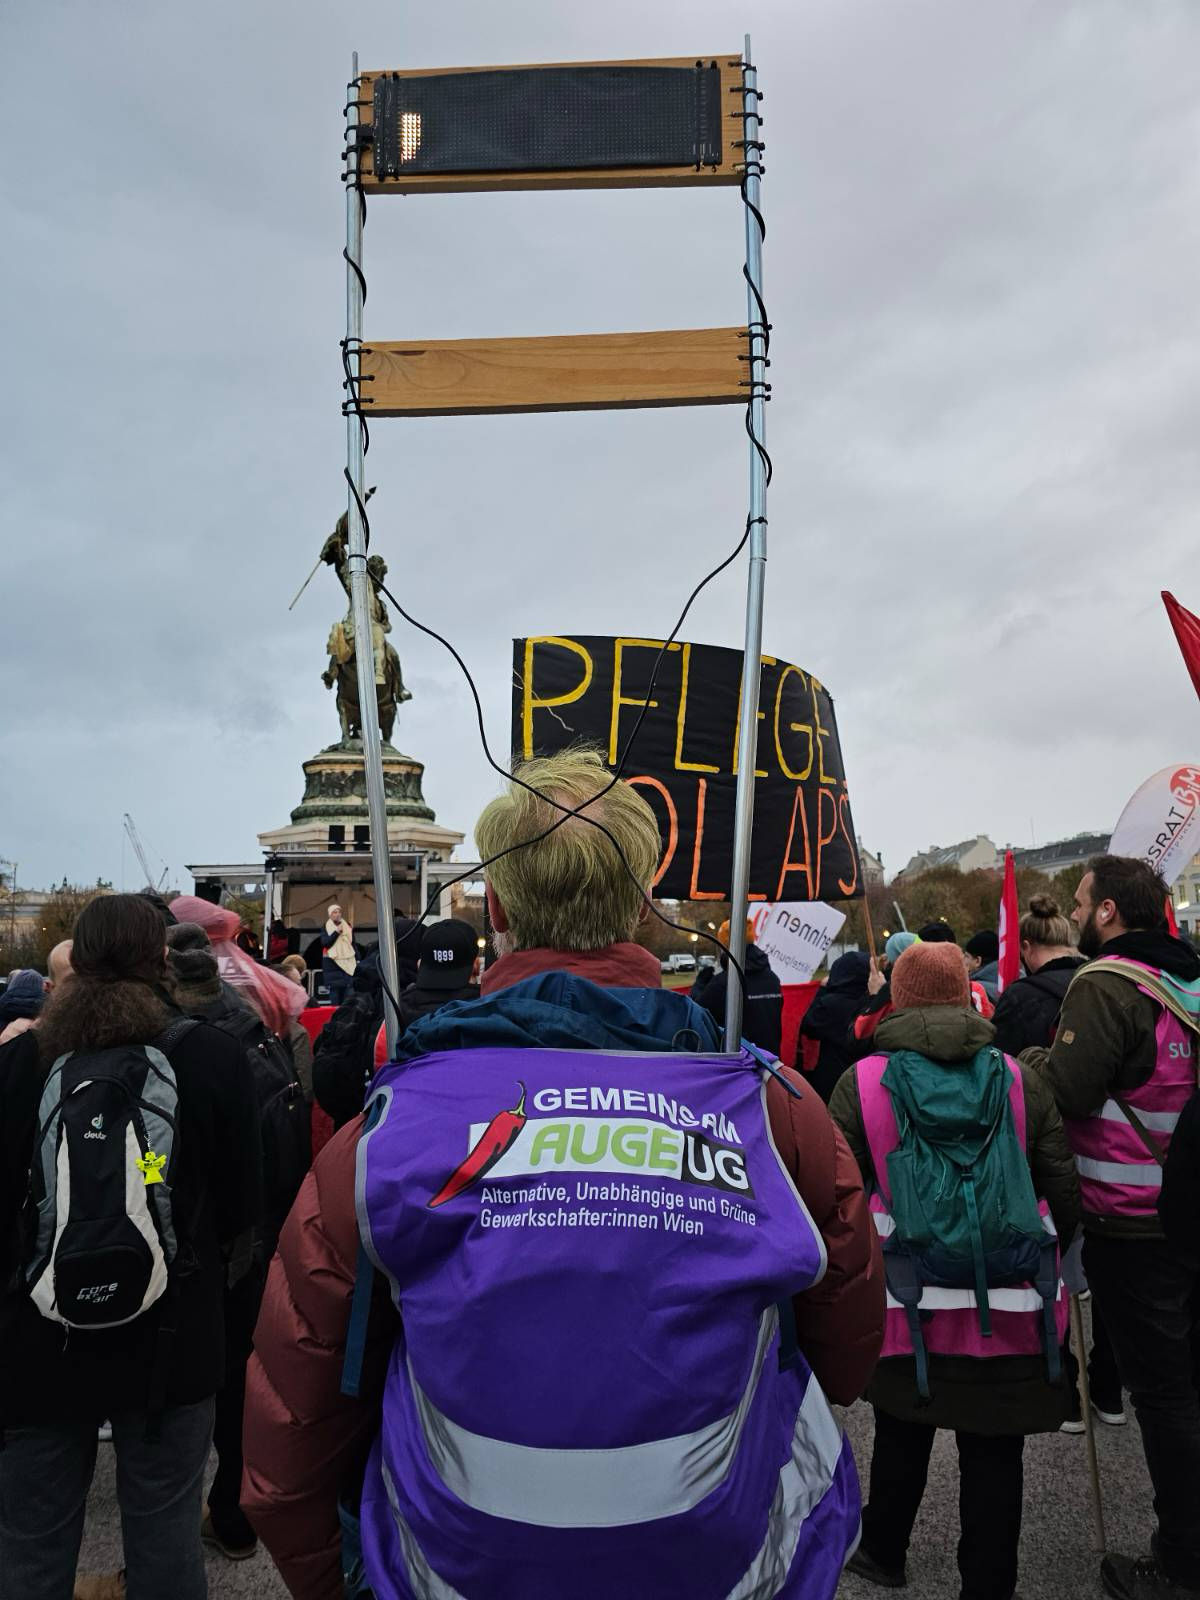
[448,951]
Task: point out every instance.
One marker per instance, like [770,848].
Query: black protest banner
[684,759]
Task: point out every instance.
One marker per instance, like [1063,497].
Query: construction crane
[140,853]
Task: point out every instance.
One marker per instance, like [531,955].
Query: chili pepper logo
[495,1140]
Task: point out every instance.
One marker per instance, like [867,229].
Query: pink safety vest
[1118,1177]
[951,1327]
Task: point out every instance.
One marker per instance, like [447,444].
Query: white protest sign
[794,936]
[1161,824]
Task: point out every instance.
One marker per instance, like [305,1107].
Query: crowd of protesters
[411,1389]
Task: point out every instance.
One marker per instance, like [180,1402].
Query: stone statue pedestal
[335,793]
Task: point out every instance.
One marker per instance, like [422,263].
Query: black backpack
[284,1116]
[344,1055]
[102,1226]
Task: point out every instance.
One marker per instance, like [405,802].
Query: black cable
[758,389]
[578,811]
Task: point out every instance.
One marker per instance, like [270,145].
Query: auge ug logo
[627,1132]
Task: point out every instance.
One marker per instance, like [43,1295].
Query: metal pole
[743,822]
[1089,1427]
[360,586]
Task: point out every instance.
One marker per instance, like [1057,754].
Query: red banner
[1187,632]
[1010,928]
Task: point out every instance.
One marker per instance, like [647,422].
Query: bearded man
[1122,1069]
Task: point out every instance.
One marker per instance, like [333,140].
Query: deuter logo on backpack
[104,1237]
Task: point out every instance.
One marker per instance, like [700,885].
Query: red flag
[1172,925]
[1010,928]
[1187,632]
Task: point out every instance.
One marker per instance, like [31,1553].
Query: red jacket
[303,1437]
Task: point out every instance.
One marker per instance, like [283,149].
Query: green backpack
[963,1202]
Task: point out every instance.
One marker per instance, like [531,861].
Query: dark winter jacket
[302,1435]
[1027,1012]
[998,1394]
[831,1017]
[762,1013]
[1106,1044]
[1179,1202]
[46,1375]
[417,1002]
[342,1057]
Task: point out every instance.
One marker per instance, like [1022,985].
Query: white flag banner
[1161,824]
[794,936]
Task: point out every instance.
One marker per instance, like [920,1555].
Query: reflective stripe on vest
[818,1448]
[1118,1175]
[1156,1121]
[588,1488]
[933,1299]
[1141,1175]
[425,1580]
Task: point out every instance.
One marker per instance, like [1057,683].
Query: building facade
[1063,853]
[970,855]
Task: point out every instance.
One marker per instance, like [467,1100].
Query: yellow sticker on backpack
[151,1166]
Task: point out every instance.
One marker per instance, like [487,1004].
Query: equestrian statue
[342,670]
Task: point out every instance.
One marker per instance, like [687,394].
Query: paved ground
[1057,1559]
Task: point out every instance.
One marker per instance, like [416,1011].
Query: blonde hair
[569,891]
[1045,924]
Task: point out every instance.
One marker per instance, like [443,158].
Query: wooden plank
[602,178]
[573,372]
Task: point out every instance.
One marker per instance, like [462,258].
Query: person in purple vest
[618,1276]
[937,1070]
[1122,1068]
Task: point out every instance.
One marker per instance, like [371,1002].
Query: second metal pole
[360,585]
[743,822]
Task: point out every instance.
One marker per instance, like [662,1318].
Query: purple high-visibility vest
[1118,1176]
[588,1251]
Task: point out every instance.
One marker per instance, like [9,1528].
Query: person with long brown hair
[153,1373]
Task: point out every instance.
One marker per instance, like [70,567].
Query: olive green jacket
[1106,1045]
[987,1395]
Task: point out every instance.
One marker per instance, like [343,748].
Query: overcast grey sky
[982,269]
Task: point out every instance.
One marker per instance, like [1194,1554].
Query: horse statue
[343,666]
[343,672]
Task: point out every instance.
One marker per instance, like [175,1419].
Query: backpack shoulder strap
[1139,1127]
[1153,985]
[173,1033]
